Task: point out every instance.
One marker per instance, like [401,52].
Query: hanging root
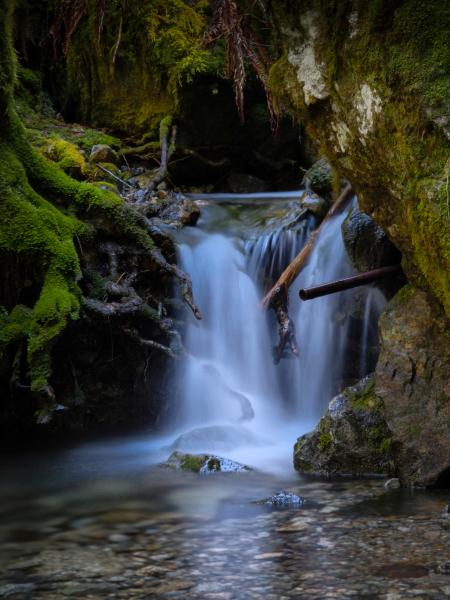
[184,280]
[286,327]
[133,333]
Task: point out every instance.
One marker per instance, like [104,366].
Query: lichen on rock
[352,438]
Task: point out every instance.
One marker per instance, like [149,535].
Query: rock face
[398,421]
[351,438]
[412,381]
[363,78]
[366,243]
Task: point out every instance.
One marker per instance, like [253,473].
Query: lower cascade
[233,398]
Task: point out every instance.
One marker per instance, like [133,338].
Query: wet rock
[204,464]
[243,183]
[319,178]
[314,203]
[392,484]
[102,153]
[177,211]
[411,379]
[351,438]
[284,499]
[366,243]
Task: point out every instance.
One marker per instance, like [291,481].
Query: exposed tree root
[184,280]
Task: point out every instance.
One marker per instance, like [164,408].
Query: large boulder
[366,243]
[352,438]
[412,380]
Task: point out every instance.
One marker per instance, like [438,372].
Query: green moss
[160,51]
[325,441]
[363,398]
[379,440]
[93,137]
[14,326]
[42,211]
[192,462]
[41,235]
[66,155]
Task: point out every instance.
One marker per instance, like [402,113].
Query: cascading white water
[233,396]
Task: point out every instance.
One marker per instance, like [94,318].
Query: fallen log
[294,268]
[349,282]
[277,297]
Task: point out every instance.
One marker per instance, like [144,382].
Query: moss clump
[362,397]
[67,156]
[192,462]
[325,441]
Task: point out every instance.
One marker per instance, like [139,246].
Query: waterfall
[232,394]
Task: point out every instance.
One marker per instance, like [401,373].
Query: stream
[100,519]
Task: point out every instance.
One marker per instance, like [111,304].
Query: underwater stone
[283,499]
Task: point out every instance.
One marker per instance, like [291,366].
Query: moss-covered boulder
[366,243]
[352,438]
[412,381]
[370,82]
[319,178]
[204,464]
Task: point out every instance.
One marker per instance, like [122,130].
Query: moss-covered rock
[352,438]
[319,178]
[411,380]
[370,81]
[204,464]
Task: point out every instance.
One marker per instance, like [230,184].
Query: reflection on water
[102,521]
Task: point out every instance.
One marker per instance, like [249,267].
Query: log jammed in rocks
[348,283]
[277,296]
